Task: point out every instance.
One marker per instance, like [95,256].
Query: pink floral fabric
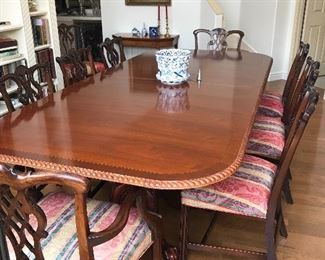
[273,94]
[99,66]
[267,137]
[271,105]
[246,192]
[62,241]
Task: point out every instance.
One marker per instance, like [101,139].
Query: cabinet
[146,42]
[18,14]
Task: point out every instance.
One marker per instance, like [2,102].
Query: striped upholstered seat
[62,241]
[267,137]
[271,105]
[246,192]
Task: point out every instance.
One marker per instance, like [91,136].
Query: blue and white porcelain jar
[173,66]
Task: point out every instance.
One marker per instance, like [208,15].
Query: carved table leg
[150,204]
[169,251]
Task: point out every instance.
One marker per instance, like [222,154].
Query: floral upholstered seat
[267,137]
[62,241]
[271,105]
[99,66]
[246,192]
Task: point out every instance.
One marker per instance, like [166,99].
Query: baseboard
[246,46]
[273,75]
[277,76]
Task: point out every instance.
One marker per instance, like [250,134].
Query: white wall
[184,17]
[268,26]
[282,40]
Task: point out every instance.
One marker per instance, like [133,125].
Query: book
[7,42]
[40,27]
[45,56]
[8,53]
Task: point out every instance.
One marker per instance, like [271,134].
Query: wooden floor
[305,219]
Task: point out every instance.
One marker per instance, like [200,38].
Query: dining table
[125,126]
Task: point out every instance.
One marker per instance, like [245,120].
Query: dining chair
[37,80]
[217,38]
[112,52]
[33,83]
[67,225]
[20,94]
[273,103]
[68,35]
[77,65]
[253,191]
[269,134]
[71,37]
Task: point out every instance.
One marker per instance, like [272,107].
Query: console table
[157,43]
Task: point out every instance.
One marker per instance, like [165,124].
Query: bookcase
[21,29]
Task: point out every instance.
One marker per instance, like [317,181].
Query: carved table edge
[127,179]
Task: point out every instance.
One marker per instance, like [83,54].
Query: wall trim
[277,76]
[248,47]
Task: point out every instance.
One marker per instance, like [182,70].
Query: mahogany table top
[117,127]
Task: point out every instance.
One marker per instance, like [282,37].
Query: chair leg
[289,174]
[206,235]
[270,239]
[283,228]
[157,249]
[287,191]
[183,234]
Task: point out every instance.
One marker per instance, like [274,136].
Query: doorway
[86,16]
[310,27]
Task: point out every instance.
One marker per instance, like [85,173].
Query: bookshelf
[42,47]
[6,62]
[37,13]
[8,28]
[21,30]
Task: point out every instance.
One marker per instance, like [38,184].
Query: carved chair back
[30,87]
[112,52]
[217,38]
[77,65]
[68,35]
[295,71]
[37,80]
[306,108]
[24,222]
[16,209]
[308,75]
[21,94]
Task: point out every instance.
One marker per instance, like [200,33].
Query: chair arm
[118,224]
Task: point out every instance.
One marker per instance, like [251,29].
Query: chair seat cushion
[273,94]
[70,69]
[271,105]
[62,241]
[246,192]
[99,66]
[267,137]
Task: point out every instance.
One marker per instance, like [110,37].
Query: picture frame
[148,2]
